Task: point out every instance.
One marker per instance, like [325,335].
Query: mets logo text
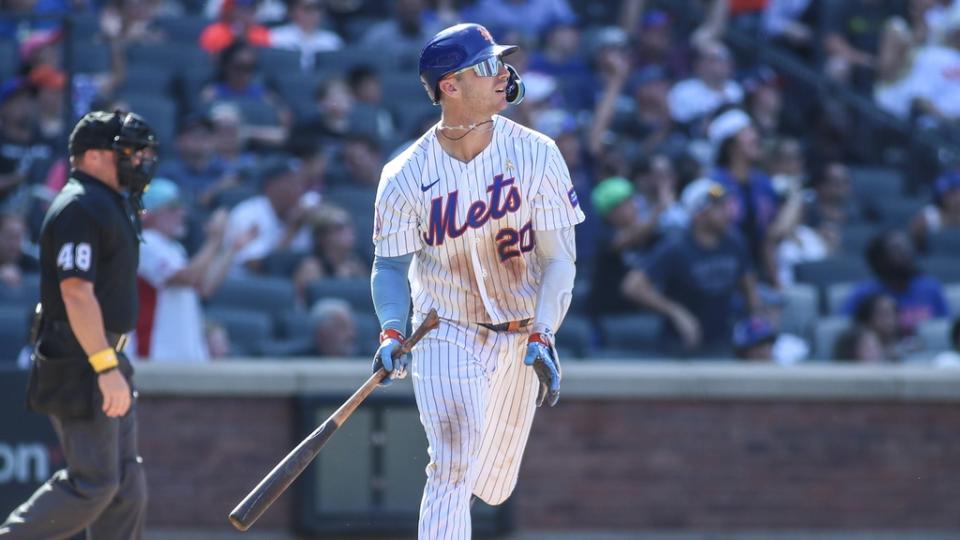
[443,218]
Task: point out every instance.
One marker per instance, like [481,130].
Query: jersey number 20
[511,242]
[68,258]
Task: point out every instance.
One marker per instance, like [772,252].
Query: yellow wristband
[103,360]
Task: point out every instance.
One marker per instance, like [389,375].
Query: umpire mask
[135,137]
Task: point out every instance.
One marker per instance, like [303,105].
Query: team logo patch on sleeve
[572,195]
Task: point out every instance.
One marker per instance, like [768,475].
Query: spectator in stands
[528,17]
[875,333]
[620,240]
[278,215]
[334,252]
[918,296]
[171,284]
[711,87]
[334,329]
[305,32]
[130,21]
[697,275]
[753,340]
[22,152]
[852,37]
[830,206]
[217,339]
[201,175]
[650,125]
[237,80]
[859,344]
[409,28]
[331,120]
[788,23]
[941,217]
[49,83]
[764,104]
[359,163]
[561,58]
[230,138]
[15,260]
[951,358]
[655,47]
[655,180]
[754,202]
[367,91]
[237,22]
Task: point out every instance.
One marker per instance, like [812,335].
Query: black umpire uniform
[90,232]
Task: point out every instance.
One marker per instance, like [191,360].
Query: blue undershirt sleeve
[391,291]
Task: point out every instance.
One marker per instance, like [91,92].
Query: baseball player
[479,214]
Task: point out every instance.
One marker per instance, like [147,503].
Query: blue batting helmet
[459,47]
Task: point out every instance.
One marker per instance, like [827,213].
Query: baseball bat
[276,482]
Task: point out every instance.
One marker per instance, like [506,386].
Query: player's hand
[390,341]
[116,393]
[546,364]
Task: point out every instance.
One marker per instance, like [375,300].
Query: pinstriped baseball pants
[476,400]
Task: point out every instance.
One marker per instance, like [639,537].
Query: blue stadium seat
[285,348]
[183,28]
[272,61]
[14,325]
[142,79]
[89,58]
[24,297]
[876,183]
[952,292]
[637,333]
[935,335]
[825,335]
[348,58]
[945,242]
[837,294]
[247,329]
[268,295]
[9,59]
[946,269]
[800,309]
[856,237]
[356,291]
[574,336]
[837,269]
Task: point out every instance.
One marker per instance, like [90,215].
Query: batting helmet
[459,47]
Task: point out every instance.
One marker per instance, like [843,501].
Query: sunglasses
[488,68]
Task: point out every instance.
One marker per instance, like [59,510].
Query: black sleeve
[76,240]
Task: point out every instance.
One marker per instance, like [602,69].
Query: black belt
[62,331]
[512,326]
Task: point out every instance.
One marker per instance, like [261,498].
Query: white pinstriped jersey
[472,225]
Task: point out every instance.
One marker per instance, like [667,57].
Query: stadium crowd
[732,212]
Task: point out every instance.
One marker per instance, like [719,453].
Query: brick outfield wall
[619,464]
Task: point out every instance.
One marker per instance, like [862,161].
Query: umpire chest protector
[91,232]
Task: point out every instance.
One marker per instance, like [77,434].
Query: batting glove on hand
[546,364]
[390,340]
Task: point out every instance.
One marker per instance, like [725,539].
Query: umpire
[88,254]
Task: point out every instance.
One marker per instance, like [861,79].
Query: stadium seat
[637,333]
[876,183]
[837,269]
[24,297]
[356,291]
[946,269]
[952,292]
[837,294]
[935,335]
[183,28]
[140,79]
[857,236]
[827,330]
[282,264]
[84,27]
[89,58]
[9,59]
[897,211]
[944,242]
[800,309]
[574,336]
[264,294]
[293,324]
[285,348]
[272,61]
[175,57]
[247,329]
[14,325]
[345,59]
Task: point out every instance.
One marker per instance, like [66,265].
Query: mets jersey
[473,225]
